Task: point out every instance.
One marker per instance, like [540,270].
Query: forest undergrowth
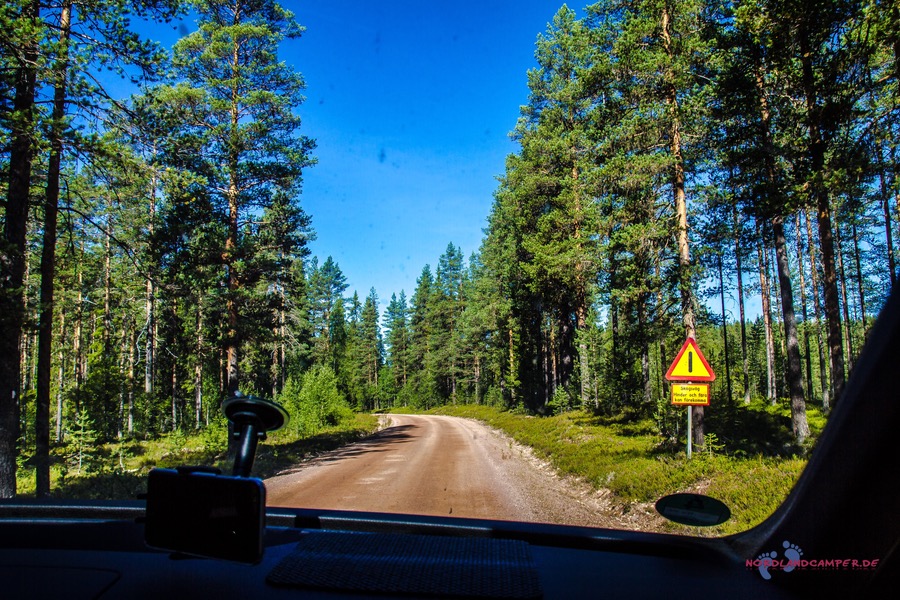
[748,461]
[118,471]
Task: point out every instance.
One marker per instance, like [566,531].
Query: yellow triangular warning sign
[690,364]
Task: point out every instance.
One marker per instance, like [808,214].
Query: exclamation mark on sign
[690,362]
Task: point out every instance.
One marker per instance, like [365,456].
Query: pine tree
[758,155]
[556,167]
[397,340]
[371,348]
[444,308]
[423,380]
[241,101]
[22,22]
[326,311]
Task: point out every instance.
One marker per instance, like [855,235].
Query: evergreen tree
[423,379]
[20,53]
[758,137]
[371,350]
[241,101]
[326,310]
[444,308]
[396,319]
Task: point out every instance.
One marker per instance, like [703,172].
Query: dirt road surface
[436,465]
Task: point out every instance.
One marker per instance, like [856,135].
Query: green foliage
[215,435]
[316,402]
[561,402]
[82,439]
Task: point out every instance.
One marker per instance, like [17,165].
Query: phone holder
[252,418]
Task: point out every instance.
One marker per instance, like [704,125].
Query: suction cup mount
[252,418]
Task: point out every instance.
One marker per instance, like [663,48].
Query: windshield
[505,260]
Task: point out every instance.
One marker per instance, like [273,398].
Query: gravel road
[437,465]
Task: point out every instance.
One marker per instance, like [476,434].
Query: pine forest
[155,252]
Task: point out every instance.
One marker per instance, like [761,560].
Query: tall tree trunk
[107,329]
[547,345]
[476,372]
[646,381]
[12,256]
[680,198]
[615,362]
[772,273]
[745,359]
[28,347]
[860,284]
[132,350]
[662,340]
[845,306]
[231,304]
[48,261]
[125,386]
[808,353]
[725,334]
[150,303]
[231,243]
[79,367]
[198,369]
[107,283]
[581,302]
[886,209]
[771,391]
[799,425]
[278,340]
[584,374]
[512,376]
[662,368]
[175,419]
[814,286]
[819,196]
[61,377]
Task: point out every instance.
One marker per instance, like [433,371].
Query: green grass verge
[627,457]
[119,470]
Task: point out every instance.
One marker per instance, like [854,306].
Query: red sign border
[688,343]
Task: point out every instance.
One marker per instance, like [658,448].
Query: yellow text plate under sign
[690,394]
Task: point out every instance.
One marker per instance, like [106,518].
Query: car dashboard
[98,551]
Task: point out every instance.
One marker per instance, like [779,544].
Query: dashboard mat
[410,564]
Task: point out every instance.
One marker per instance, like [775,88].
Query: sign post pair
[690,375]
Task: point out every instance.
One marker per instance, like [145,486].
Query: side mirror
[693,509]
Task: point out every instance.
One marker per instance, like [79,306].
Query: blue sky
[411,105]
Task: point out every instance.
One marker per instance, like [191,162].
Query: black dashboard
[98,551]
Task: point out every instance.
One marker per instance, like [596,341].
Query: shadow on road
[377,442]
[282,459]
